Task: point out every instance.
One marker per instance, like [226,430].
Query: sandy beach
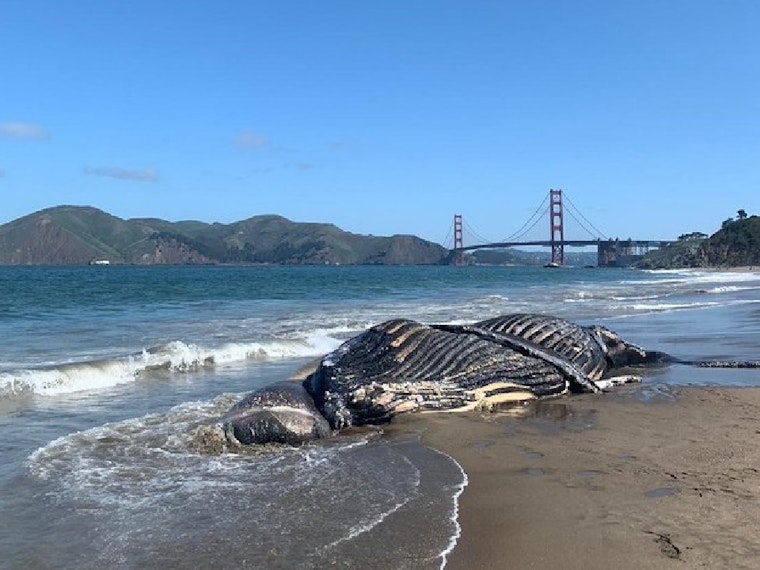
[611,481]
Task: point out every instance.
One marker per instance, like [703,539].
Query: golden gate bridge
[610,252]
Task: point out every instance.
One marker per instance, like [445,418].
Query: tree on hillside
[692,235]
[741,214]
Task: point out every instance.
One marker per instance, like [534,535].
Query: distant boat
[100,262]
[553,265]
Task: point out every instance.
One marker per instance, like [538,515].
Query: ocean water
[106,373]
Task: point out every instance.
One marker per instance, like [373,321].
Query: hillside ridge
[78,235]
[735,244]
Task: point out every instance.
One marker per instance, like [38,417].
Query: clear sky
[384,117]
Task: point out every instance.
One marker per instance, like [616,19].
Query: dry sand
[608,481]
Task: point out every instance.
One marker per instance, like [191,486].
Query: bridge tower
[557,227]
[458,240]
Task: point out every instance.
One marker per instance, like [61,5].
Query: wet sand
[731,269]
[608,481]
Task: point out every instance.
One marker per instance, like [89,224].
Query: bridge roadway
[609,252]
[632,243]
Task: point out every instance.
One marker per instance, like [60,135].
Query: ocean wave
[173,357]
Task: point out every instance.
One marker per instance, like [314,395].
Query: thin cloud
[302,167]
[251,139]
[141,175]
[24,131]
[341,146]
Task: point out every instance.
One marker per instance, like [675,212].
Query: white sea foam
[662,307]
[360,529]
[492,299]
[730,289]
[444,555]
[666,307]
[695,275]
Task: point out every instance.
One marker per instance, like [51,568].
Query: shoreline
[593,482]
[731,269]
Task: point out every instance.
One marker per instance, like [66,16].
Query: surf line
[454,539]
[361,529]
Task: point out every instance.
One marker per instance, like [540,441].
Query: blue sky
[384,117]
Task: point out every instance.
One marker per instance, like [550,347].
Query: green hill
[67,235]
[737,243]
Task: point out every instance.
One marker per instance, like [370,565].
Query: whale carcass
[403,365]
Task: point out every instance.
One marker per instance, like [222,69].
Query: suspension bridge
[610,252]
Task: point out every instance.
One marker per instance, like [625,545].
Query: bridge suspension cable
[448,240]
[530,224]
[475,234]
[596,233]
